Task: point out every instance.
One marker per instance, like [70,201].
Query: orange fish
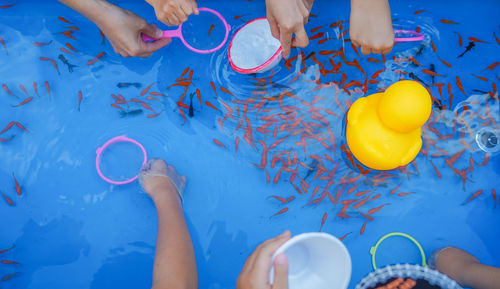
[438,174]
[68,33]
[395,189]
[65,50]
[7,6]
[217,142]
[475,195]
[24,102]
[183,105]
[480,77]
[8,276]
[51,61]
[3,45]
[74,28]
[283,200]
[24,89]
[284,210]
[103,37]
[212,106]
[8,262]
[485,161]
[154,115]
[476,40]
[448,21]
[459,84]
[419,11]
[363,228]
[494,195]
[79,99]
[96,58]
[431,73]
[213,87]
[236,143]
[63,19]
[404,194]
[4,86]
[70,47]
[35,87]
[433,46]
[493,66]
[18,187]
[145,90]
[226,91]
[317,35]
[47,87]
[317,28]
[445,63]
[210,29]
[374,210]
[8,200]
[323,220]
[42,43]
[460,41]
[374,60]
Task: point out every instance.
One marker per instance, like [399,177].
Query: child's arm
[466,269]
[288,17]
[173,12]
[175,264]
[255,273]
[122,27]
[371,26]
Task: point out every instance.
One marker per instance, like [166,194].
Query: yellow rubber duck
[384,129]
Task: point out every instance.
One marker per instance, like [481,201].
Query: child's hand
[255,273]
[173,12]
[371,26]
[287,17]
[123,30]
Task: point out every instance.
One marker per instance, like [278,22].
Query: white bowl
[316,261]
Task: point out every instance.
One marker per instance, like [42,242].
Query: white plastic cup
[316,261]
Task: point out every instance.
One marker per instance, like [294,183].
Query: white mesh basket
[407,271]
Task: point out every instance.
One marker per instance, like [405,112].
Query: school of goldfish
[295,127]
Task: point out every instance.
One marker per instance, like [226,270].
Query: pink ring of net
[99,151]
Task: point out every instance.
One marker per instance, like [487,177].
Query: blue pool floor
[70,229]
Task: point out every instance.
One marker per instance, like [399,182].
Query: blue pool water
[72,230]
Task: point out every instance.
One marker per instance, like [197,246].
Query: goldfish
[284,210]
[493,66]
[317,35]
[226,91]
[8,262]
[460,41]
[63,19]
[445,63]
[428,72]
[210,29]
[70,47]
[212,106]
[323,220]
[79,99]
[145,90]
[363,228]
[68,33]
[448,21]
[24,102]
[3,45]
[47,87]
[96,58]
[42,43]
[477,40]
[18,187]
[8,276]
[51,61]
[102,37]
[8,200]
[375,210]
[419,11]
[475,195]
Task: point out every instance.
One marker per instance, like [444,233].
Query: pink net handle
[418,36]
[178,33]
[99,151]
